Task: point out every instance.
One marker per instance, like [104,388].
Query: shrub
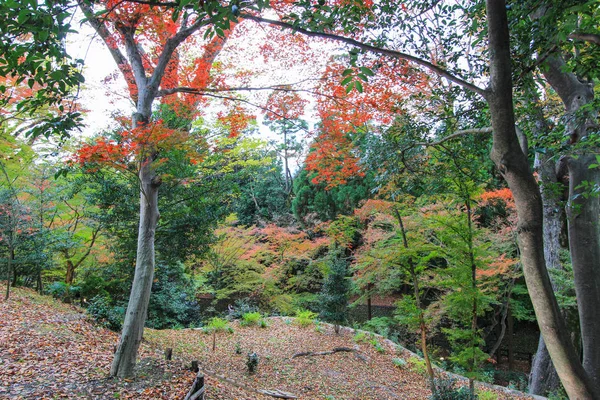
[399,363]
[360,337]
[217,324]
[251,318]
[107,314]
[418,365]
[487,395]
[241,307]
[305,318]
[445,389]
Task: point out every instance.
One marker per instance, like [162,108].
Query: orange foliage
[500,194]
[133,145]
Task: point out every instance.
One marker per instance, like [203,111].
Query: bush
[305,318]
[217,324]
[101,309]
[172,300]
[399,363]
[63,291]
[445,389]
[241,307]
[487,395]
[418,365]
[251,318]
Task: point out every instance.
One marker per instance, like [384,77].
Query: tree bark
[137,307]
[513,165]
[582,211]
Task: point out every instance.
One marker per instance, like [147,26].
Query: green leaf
[367,71]
[350,87]
[347,72]
[346,81]
[359,86]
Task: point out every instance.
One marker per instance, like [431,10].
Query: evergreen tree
[334,295]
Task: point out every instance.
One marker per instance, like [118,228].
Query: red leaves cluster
[285,105]
[130,146]
[235,120]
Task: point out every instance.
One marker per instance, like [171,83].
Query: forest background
[397,194]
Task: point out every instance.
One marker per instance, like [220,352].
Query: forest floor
[50,350]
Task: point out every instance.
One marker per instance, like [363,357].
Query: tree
[334,294]
[509,158]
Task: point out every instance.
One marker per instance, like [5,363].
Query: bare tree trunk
[582,211]
[543,378]
[512,163]
[135,317]
[583,216]
[9,271]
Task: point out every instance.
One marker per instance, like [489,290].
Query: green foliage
[399,363]
[360,337]
[418,365]
[33,36]
[486,395]
[63,291]
[334,294]
[445,389]
[241,307]
[217,324]
[379,325]
[105,312]
[251,318]
[172,300]
[305,318]
[314,201]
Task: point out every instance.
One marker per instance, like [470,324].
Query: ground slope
[50,350]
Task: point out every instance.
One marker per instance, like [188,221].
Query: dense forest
[427,171]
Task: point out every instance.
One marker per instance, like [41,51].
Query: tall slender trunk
[543,378]
[9,270]
[137,308]
[583,210]
[512,163]
[417,294]
[474,289]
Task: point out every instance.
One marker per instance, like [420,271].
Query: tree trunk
[512,163]
[137,308]
[543,378]
[582,211]
[9,271]
[511,347]
[69,276]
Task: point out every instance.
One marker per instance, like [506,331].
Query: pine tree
[334,294]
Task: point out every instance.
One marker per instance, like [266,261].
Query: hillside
[50,350]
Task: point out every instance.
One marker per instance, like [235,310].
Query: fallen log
[324,353]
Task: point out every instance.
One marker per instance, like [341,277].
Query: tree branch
[105,35]
[455,135]
[373,49]
[165,55]
[586,37]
